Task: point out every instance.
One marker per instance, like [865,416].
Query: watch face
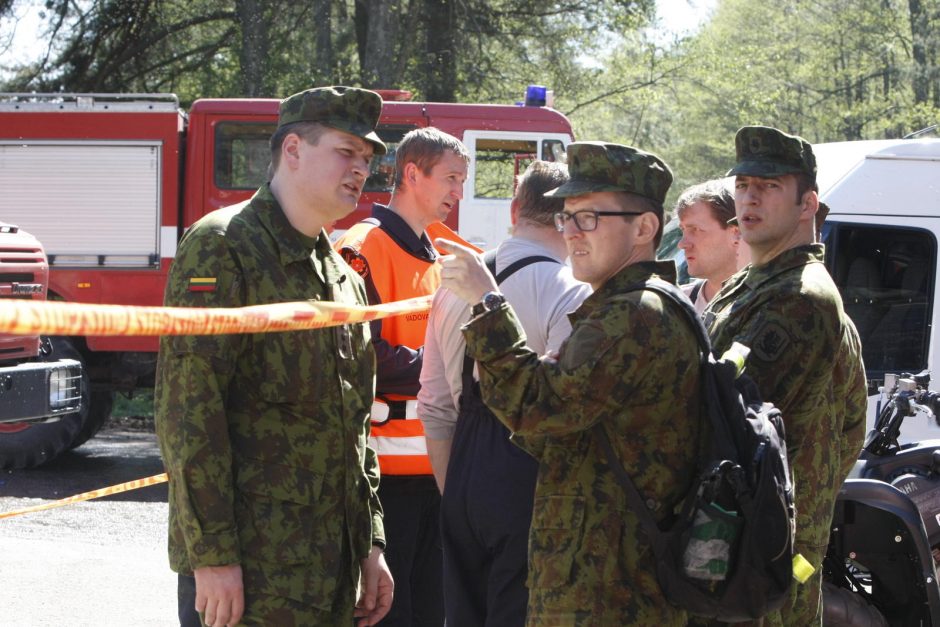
[493,300]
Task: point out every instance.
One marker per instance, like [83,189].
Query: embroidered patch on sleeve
[357,262]
[202,284]
[771,340]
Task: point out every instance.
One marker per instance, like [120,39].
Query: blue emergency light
[535,96]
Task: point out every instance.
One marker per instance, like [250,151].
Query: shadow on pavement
[110,458]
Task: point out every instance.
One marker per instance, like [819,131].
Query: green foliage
[825,69]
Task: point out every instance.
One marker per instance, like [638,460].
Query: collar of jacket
[629,276]
[404,236]
[787,260]
[292,245]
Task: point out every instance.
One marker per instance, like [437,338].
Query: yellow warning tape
[87,496]
[30,317]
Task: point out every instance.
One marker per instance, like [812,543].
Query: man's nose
[571,229]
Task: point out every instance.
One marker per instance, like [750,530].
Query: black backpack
[728,554]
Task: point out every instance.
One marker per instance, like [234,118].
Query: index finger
[452,247]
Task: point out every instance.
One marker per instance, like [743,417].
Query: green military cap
[350,109]
[766,152]
[602,167]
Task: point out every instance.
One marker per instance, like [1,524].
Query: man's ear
[410,174]
[646,226]
[290,150]
[809,206]
[514,211]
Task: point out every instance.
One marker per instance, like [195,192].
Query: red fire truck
[108,183]
[41,381]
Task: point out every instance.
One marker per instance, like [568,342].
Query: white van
[881,249]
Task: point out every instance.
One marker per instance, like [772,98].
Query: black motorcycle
[880,568]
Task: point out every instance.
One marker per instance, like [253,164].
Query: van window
[242,154]
[382,169]
[886,276]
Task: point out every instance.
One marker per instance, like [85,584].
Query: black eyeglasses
[586,219]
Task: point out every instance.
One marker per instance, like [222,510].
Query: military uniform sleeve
[602,369]
[193,377]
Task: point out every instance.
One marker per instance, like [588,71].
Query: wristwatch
[489,302]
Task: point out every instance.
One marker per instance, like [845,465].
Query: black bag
[728,555]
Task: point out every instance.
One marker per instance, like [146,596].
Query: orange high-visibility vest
[396,275]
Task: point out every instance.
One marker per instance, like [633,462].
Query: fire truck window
[496,163]
[242,154]
[886,276]
[382,169]
[553,150]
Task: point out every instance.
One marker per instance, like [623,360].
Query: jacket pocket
[557,527]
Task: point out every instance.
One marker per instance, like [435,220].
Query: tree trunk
[920,32]
[377,26]
[323,63]
[441,56]
[254,51]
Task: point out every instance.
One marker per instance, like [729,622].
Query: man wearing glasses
[631,365]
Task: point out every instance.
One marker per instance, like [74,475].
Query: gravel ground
[100,562]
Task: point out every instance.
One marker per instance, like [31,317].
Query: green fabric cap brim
[359,130]
[580,188]
[766,169]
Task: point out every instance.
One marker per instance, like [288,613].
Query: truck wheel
[96,405]
[29,444]
[844,608]
[98,412]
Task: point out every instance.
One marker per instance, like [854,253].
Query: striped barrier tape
[87,496]
[30,317]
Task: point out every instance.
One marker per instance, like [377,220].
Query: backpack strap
[684,303]
[489,258]
[634,498]
[693,293]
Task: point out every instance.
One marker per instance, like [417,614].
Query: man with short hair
[486,506]
[805,352]
[710,243]
[631,365]
[274,517]
[394,255]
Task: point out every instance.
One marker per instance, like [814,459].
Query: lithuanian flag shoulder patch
[202,284]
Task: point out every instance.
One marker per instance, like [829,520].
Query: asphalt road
[100,562]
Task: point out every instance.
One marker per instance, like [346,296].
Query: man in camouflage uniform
[274,517]
[631,364]
[805,352]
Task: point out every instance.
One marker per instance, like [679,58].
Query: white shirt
[700,301]
[542,294]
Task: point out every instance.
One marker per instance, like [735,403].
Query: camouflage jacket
[264,435]
[631,364]
[806,359]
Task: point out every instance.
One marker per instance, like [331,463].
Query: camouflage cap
[766,152]
[603,167]
[349,109]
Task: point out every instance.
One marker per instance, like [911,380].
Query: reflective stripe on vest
[380,411]
[401,448]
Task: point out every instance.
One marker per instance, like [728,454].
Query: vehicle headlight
[65,388]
